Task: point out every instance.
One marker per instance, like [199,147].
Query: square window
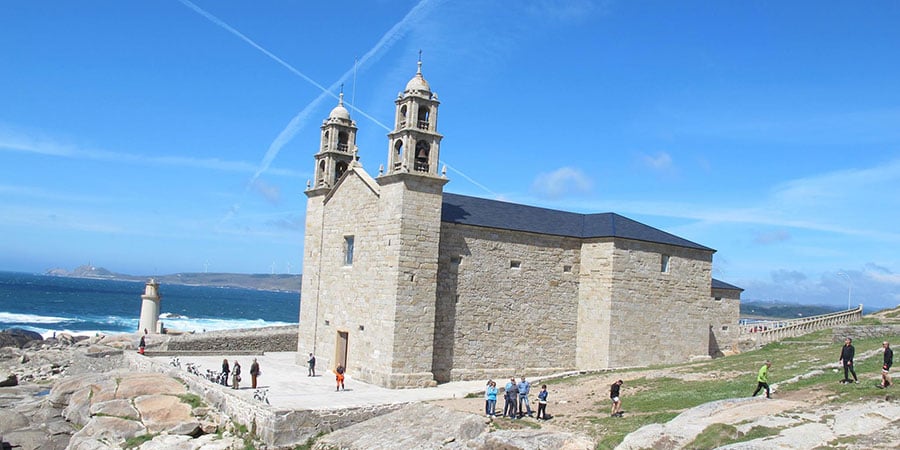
[514,264]
[567,268]
[664,263]
[348,250]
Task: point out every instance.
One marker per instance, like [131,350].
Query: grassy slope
[659,399]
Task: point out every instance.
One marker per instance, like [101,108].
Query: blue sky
[175,136]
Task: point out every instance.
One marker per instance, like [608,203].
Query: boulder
[109,429]
[138,384]
[18,337]
[527,439]
[120,408]
[27,439]
[166,413]
[11,420]
[9,380]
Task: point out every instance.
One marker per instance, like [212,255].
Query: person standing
[524,390]
[225,371]
[616,401]
[888,362]
[254,372]
[235,375]
[311,362]
[490,398]
[542,403]
[511,395]
[339,378]
[847,353]
[142,345]
[762,379]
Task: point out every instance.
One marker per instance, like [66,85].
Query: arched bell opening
[423,150]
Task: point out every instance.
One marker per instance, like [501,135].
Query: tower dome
[339,111]
[418,83]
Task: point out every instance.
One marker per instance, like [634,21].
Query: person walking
[886,367]
[311,362]
[225,371]
[614,391]
[762,379]
[511,395]
[542,403]
[847,354]
[254,373]
[236,375]
[490,398]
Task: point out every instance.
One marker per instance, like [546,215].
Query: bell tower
[414,144]
[337,148]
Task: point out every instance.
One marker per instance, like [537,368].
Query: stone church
[406,285]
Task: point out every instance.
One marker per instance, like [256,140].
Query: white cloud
[562,181]
[661,162]
[771,237]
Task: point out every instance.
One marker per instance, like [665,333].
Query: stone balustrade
[764,332]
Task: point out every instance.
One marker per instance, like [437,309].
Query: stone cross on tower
[150,308]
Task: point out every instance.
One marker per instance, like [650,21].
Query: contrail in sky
[297,123]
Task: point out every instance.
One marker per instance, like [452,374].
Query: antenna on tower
[206,266]
[353,94]
[273,267]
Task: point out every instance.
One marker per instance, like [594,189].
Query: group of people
[235,372]
[516,403]
[848,352]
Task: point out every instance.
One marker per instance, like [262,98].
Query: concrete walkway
[289,387]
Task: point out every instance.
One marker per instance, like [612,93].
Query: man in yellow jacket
[762,379]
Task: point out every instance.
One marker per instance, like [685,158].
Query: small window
[455,259]
[514,264]
[327,322]
[489,326]
[664,263]
[348,250]
[362,328]
[718,299]
[724,327]
[456,299]
[567,268]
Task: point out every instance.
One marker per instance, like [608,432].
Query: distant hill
[779,310]
[265,282]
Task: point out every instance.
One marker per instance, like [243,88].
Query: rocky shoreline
[78,393]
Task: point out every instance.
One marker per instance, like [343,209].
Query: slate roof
[719,284]
[481,212]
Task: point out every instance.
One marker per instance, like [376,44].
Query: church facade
[406,285]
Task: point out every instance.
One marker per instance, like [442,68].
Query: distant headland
[265,282]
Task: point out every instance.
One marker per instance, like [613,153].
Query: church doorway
[340,350]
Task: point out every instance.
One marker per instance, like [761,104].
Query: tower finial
[341,97]
[419,71]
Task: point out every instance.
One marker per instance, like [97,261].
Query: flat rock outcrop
[428,426]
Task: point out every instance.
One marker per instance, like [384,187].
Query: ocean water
[83,306]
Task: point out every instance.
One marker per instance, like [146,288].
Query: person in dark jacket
[847,353]
[225,371]
[886,368]
[511,399]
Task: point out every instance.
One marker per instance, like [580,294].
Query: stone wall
[252,340]
[658,316]
[594,299]
[855,332]
[724,313]
[507,303]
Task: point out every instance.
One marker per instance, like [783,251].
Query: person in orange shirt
[339,378]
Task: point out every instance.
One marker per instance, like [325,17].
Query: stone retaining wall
[279,428]
[838,334]
[250,340]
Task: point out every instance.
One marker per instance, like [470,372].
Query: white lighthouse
[150,308]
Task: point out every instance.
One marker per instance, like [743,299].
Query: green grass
[136,441]
[658,400]
[193,400]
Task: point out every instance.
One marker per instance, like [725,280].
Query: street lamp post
[849,287]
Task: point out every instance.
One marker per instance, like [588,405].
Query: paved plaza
[289,387]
